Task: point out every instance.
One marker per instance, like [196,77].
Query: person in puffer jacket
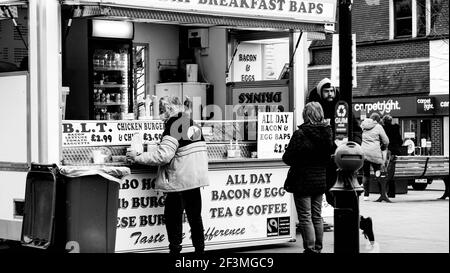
[182,161]
[308,153]
[373,138]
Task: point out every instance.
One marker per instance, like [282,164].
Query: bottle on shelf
[96,60]
[95,96]
[101,62]
[99,95]
[97,114]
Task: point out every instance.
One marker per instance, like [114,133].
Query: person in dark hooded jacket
[307,153]
[328,96]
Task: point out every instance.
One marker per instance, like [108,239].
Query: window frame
[415,20]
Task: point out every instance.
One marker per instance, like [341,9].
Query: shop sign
[248,101]
[402,106]
[409,135]
[76,133]
[247,63]
[426,105]
[341,120]
[441,102]
[238,206]
[392,107]
[274,133]
[316,11]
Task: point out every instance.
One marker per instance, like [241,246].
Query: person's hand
[131,155]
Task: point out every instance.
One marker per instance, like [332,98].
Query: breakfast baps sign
[314,11]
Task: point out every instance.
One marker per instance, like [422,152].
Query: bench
[419,171]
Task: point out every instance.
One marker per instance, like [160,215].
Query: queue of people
[374,141]
[182,162]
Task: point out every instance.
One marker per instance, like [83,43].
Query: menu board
[238,206]
[275,130]
[77,133]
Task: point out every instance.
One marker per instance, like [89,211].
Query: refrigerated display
[110,81]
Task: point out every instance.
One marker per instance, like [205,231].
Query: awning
[160,16]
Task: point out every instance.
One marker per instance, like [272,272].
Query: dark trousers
[177,202]
[366,174]
[331,176]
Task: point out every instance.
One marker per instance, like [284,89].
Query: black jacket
[181,127]
[395,138]
[308,153]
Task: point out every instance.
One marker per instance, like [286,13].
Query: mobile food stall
[251,61]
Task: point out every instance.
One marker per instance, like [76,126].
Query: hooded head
[325,91]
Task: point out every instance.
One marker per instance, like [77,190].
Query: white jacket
[180,168]
[372,137]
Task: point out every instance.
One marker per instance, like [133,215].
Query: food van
[239,66]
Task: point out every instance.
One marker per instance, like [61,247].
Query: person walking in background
[308,153]
[183,169]
[395,144]
[393,133]
[328,97]
[373,138]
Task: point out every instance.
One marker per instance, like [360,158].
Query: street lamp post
[346,190]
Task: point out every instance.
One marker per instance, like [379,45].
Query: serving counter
[244,205]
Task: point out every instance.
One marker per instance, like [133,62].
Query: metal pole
[345,58]
[346,191]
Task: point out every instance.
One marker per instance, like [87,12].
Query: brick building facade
[397,63]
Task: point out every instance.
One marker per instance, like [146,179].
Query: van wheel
[419,186]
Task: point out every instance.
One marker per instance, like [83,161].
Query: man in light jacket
[183,169]
[373,137]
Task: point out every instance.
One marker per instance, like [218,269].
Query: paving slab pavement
[416,222]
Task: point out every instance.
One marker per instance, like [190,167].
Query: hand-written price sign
[118,132]
[274,132]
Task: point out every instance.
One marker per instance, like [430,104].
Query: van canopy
[114,11]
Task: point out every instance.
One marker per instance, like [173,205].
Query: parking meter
[349,158]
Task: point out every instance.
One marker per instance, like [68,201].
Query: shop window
[419,131]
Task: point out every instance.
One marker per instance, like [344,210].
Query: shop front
[241,76]
[423,119]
